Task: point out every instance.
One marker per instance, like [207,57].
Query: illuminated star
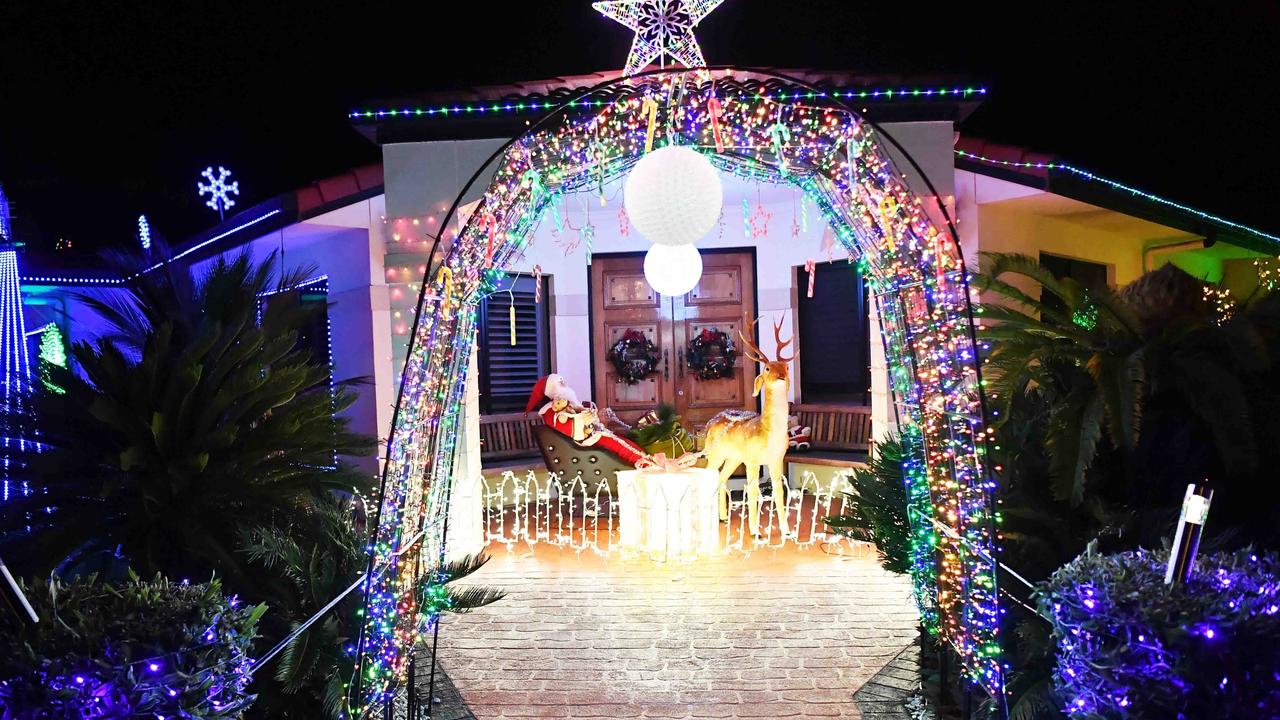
[663,28]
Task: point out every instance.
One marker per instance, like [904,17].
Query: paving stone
[883,696]
[791,634]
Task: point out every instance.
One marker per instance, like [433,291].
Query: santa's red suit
[561,411]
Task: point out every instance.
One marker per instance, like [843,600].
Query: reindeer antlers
[782,344]
[749,348]
[752,351]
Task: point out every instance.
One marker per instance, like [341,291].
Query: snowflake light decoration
[144,232]
[663,28]
[219,190]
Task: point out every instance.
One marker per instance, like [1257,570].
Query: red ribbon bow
[661,463]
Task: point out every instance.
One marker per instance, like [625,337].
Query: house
[368,236]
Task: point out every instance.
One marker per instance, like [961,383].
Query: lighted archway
[762,128]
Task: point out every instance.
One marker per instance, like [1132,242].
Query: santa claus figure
[560,409]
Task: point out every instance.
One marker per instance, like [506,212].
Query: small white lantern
[673,269]
[673,196]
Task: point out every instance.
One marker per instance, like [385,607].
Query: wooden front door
[621,299]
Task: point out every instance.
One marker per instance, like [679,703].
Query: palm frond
[465,600]
[1072,440]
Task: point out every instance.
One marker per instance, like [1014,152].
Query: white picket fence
[547,509]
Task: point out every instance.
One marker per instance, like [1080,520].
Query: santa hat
[538,396]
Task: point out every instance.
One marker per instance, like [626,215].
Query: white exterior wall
[777,255]
[346,245]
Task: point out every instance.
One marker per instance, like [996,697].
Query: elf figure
[561,411]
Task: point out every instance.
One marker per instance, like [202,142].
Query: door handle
[666,365]
[680,364]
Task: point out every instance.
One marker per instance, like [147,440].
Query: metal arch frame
[569,105]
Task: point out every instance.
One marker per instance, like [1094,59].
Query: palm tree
[1106,404]
[1104,362]
[1081,348]
[199,415]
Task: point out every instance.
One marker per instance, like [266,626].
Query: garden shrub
[154,649]
[1128,646]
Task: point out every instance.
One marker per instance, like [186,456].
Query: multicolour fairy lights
[534,105]
[915,271]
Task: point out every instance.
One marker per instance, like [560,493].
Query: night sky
[111,109]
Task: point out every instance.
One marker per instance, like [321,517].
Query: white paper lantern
[673,269]
[673,196]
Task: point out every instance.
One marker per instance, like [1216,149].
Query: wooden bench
[839,435]
[508,436]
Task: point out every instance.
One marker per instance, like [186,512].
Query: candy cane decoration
[650,108]
[781,133]
[715,109]
[446,284]
[555,213]
[888,208]
[536,188]
[850,153]
[490,226]
[511,319]
[811,267]
[537,284]
[598,150]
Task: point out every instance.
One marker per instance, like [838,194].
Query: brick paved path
[791,635]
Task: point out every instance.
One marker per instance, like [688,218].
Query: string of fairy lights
[915,271]
[1083,174]
[533,105]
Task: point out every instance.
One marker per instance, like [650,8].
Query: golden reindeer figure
[738,437]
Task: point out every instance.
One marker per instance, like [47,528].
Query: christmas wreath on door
[634,357]
[711,354]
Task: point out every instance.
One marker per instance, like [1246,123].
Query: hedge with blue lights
[151,649]
[1129,646]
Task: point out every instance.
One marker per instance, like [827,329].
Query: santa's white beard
[558,389]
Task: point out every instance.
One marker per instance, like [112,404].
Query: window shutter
[508,372]
[834,335]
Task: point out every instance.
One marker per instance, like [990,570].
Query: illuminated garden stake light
[218,190]
[1186,541]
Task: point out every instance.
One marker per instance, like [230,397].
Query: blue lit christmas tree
[14,440]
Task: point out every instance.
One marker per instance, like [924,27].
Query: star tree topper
[663,28]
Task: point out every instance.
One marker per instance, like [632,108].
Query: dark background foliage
[112,109]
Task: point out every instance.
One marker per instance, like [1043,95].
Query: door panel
[720,284]
[644,395]
[722,297]
[621,299]
[626,290]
